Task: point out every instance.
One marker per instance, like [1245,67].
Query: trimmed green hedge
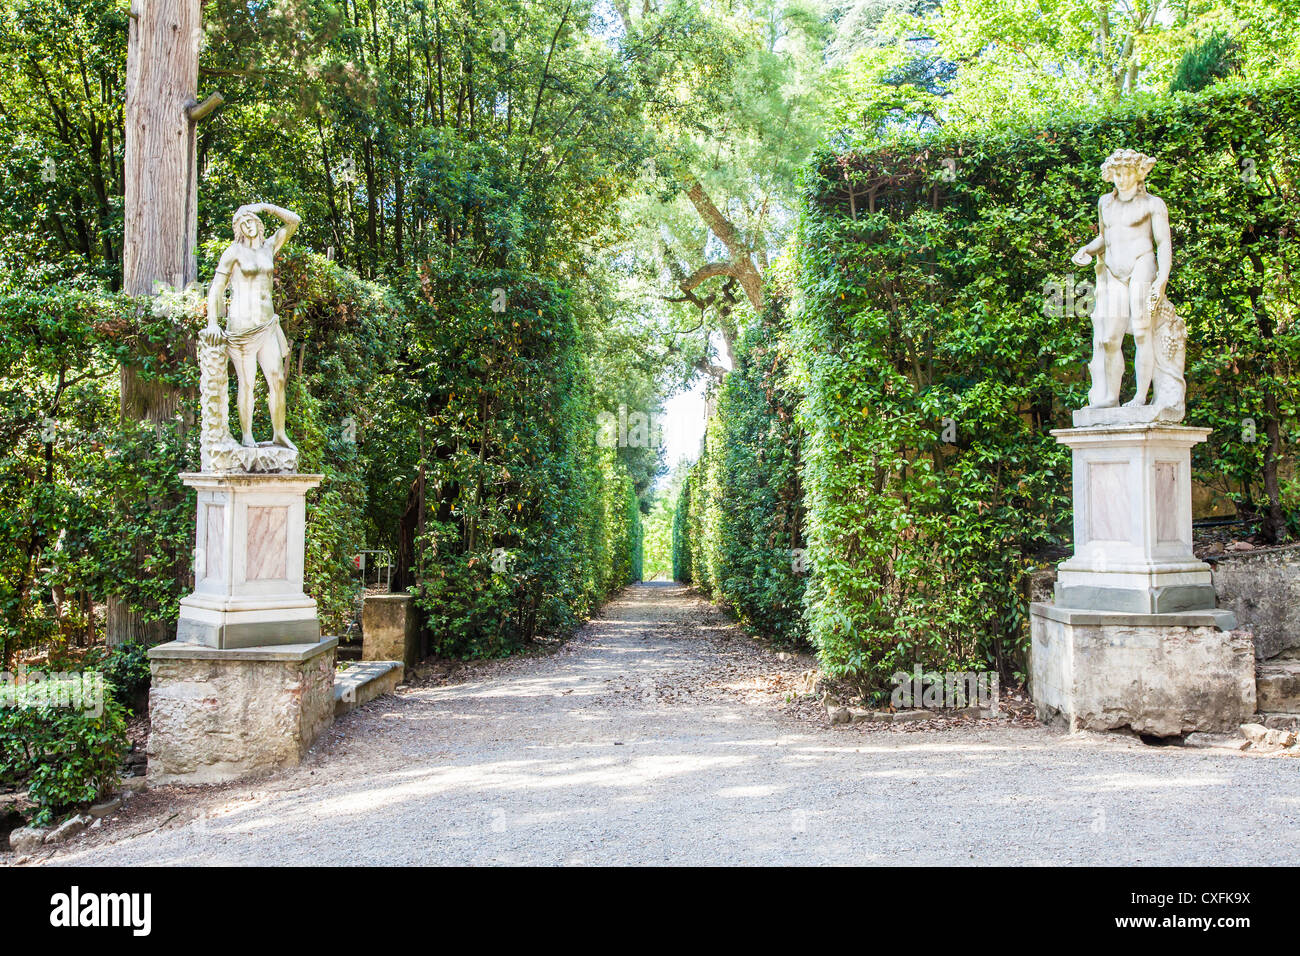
[738,521]
[526,522]
[934,365]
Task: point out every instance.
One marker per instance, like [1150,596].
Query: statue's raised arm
[284,233]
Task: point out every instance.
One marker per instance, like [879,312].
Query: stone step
[363,682]
[1277,686]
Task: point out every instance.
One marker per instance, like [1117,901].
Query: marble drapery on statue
[1133,258]
[251,340]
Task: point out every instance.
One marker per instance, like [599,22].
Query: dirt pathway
[660,734]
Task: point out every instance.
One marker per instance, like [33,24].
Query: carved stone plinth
[1121,415]
[1133,521]
[233,458]
[248,563]
[390,629]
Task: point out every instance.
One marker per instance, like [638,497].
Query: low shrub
[63,739]
[126,673]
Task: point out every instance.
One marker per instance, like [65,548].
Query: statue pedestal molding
[1133,639]
[1133,521]
[248,562]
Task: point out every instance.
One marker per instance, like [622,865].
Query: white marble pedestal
[1133,521]
[248,562]
[248,684]
[1133,639]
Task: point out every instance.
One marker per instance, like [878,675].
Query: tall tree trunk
[161,196]
[162,75]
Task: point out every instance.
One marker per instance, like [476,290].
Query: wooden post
[162,76]
[161,214]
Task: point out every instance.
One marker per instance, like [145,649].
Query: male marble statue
[252,339]
[1133,259]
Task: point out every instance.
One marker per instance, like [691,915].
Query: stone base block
[389,629]
[219,714]
[1277,686]
[1159,674]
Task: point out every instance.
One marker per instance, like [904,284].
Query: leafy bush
[525,523]
[90,511]
[742,527]
[934,368]
[126,673]
[62,739]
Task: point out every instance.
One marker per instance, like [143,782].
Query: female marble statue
[253,337]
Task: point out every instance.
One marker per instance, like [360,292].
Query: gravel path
[661,734]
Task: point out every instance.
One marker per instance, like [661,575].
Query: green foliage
[934,365]
[525,523]
[683,568]
[1028,58]
[62,740]
[1214,58]
[742,535]
[82,490]
[126,671]
[658,539]
[62,82]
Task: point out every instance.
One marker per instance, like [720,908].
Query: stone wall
[220,714]
[1262,588]
[388,629]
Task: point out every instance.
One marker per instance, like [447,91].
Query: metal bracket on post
[196,112]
